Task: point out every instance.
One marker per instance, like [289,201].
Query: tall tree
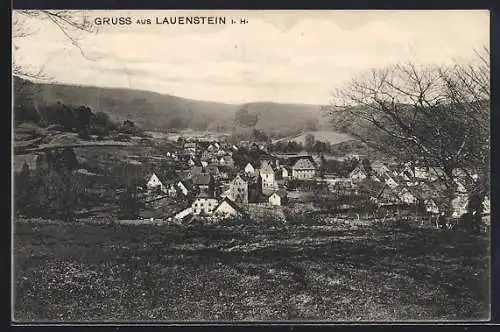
[436,116]
[309,142]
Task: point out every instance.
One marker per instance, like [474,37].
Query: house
[183,214]
[205,183]
[196,170]
[226,161]
[184,174]
[431,206]
[212,148]
[407,197]
[239,190]
[171,190]
[213,170]
[224,172]
[204,205]
[487,206]
[380,169]
[278,198]
[204,163]
[286,172]
[183,188]
[358,174]
[249,169]
[459,205]
[190,146]
[228,209]
[388,180]
[154,183]
[268,177]
[303,169]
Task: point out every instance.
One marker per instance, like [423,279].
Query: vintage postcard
[259,166]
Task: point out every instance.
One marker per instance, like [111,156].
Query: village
[215,180]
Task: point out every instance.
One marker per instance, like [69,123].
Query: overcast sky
[282,56]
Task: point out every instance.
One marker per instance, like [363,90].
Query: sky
[280,56]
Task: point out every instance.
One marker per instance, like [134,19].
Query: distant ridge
[163,112]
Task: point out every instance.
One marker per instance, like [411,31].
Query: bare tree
[69,22]
[435,116]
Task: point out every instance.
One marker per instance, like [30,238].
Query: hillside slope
[155,111]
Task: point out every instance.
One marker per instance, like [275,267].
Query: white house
[358,174]
[249,169]
[487,205]
[380,169]
[204,163]
[431,206]
[155,183]
[278,198]
[285,173]
[407,197]
[389,181]
[227,209]
[267,176]
[459,205]
[303,169]
[204,205]
[172,190]
[182,187]
[184,213]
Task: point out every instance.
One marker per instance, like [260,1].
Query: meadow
[116,272]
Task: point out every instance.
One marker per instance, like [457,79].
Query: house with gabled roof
[249,169]
[286,172]
[228,209]
[184,214]
[239,190]
[155,183]
[388,180]
[380,169]
[204,205]
[358,174]
[407,196]
[205,183]
[431,206]
[213,169]
[183,187]
[303,169]
[268,177]
[278,198]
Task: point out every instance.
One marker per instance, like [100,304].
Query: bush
[84,135]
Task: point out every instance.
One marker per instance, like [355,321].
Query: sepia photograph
[250,166]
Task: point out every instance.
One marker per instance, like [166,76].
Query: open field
[321,135]
[67,272]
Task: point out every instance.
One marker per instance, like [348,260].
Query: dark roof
[197,169]
[281,193]
[203,144]
[225,169]
[304,163]
[232,204]
[201,179]
[249,178]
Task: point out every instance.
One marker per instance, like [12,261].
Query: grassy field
[81,272]
[321,135]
